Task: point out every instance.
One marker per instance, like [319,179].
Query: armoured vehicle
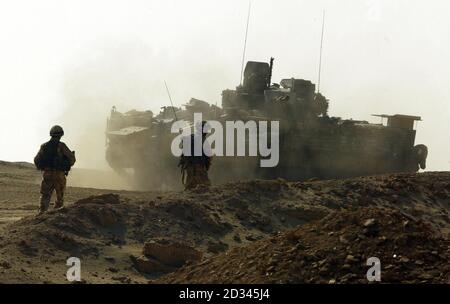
[311,143]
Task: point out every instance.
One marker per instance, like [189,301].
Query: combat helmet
[56,131]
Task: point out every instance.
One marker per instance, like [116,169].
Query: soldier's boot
[58,205]
[45,203]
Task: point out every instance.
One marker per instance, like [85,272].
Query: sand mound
[333,250]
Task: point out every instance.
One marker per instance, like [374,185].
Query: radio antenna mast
[321,47]
[170,98]
[245,40]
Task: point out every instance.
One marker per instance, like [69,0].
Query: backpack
[49,158]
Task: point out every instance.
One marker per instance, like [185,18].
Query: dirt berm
[333,250]
[256,231]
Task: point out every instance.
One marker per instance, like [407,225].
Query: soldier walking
[55,160]
[194,168]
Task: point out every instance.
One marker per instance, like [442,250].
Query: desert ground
[241,232]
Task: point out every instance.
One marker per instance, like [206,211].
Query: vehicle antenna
[321,47]
[245,41]
[170,98]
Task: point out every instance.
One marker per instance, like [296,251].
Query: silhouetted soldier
[195,168]
[55,160]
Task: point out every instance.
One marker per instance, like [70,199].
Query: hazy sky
[69,62]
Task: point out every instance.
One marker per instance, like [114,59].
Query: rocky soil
[253,231]
[333,250]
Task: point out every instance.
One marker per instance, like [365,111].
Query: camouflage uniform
[54,177]
[196,174]
[195,168]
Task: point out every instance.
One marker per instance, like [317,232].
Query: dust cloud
[128,76]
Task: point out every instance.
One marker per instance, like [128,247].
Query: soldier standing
[194,168]
[55,160]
